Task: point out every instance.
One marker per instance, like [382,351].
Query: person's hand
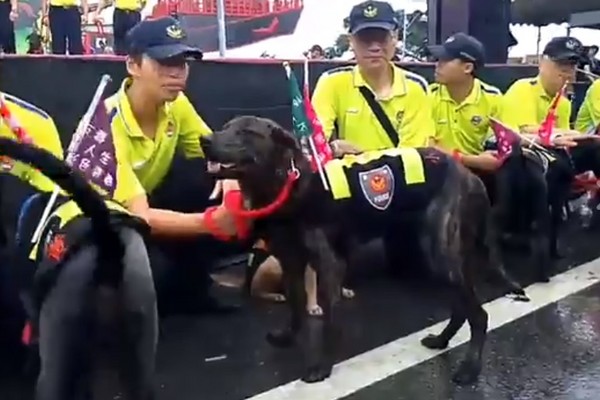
[45,20]
[343,147]
[487,161]
[566,140]
[14,15]
[224,221]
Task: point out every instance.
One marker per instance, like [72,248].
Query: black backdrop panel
[220,90]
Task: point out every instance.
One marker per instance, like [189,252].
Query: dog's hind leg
[139,320]
[66,327]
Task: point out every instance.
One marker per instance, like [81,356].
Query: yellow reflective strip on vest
[414,170]
[69,211]
[340,189]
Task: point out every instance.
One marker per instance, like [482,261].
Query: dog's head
[251,148]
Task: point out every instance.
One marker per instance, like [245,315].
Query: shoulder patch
[347,68]
[418,79]
[490,89]
[28,106]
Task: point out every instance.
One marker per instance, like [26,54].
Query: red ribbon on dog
[234,203]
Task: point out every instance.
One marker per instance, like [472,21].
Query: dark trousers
[123,21]
[65,29]
[181,267]
[7,29]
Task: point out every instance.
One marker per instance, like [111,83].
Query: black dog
[102,279]
[311,227]
[532,187]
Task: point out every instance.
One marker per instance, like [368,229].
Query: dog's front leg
[323,331]
[293,266]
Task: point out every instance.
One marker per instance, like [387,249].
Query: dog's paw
[348,293]
[281,338]
[434,342]
[317,373]
[467,373]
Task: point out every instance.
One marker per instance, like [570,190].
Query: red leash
[234,203]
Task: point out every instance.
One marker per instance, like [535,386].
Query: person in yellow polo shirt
[64,19]
[40,127]
[9,13]
[339,97]
[125,16]
[462,104]
[588,117]
[527,101]
[151,120]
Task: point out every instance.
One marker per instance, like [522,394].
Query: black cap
[460,46]
[160,39]
[564,48]
[372,14]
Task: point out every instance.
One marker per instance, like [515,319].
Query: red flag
[505,138]
[322,147]
[547,126]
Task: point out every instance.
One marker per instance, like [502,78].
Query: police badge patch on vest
[6,164]
[378,186]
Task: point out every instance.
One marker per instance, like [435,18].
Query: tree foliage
[545,12]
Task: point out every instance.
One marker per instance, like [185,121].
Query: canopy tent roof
[546,12]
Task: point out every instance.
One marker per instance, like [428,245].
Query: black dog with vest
[378,194]
[102,280]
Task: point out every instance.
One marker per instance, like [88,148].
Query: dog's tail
[111,248]
[490,245]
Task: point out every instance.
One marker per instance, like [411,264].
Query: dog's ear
[283,138]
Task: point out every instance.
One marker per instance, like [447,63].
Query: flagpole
[311,141]
[80,132]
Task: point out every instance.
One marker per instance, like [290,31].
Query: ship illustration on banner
[247,21]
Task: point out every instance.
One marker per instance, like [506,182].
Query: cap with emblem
[160,39]
[460,46]
[564,48]
[372,14]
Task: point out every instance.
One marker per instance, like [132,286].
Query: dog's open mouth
[215,167]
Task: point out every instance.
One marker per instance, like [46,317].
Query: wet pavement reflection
[553,353]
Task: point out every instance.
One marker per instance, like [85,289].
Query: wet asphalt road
[551,353]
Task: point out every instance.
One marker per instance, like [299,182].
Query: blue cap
[160,39]
[372,14]
[565,49]
[462,47]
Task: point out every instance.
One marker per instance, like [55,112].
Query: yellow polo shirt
[340,105]
[130,5]
[588,116]
[144,161]
[40,127]
[64,3]
[526,103]
[465,126]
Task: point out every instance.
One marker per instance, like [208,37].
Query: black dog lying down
[103,277]
[532,187]
[374,194]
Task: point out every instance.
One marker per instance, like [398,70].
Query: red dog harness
[233,201]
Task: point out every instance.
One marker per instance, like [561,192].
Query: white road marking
[375,365]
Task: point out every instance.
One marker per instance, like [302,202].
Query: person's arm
[14,6]
[592,103]
[101,6]
[418,127]
[45,6]
[325,104]
[84,9]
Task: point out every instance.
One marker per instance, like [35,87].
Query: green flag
[299,118]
